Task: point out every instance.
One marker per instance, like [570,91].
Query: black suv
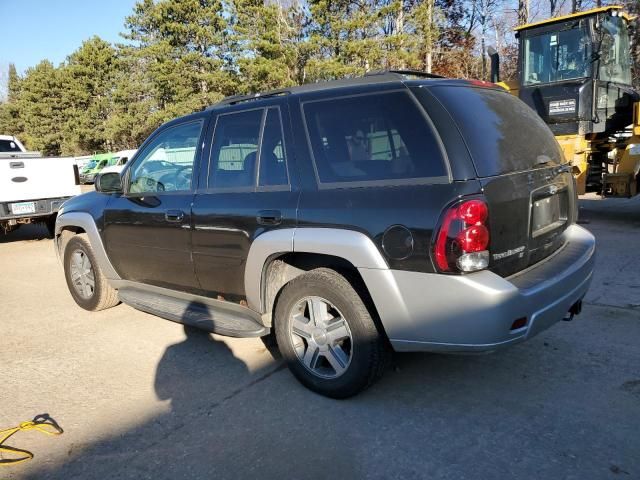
[353,217]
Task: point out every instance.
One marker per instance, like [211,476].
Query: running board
[204,313]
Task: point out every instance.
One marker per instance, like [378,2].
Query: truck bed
[23,178]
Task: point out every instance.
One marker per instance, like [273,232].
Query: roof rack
[235,99]
[405,72]
[377,76]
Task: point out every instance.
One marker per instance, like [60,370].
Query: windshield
[557,56]
[615,57]
[91,165]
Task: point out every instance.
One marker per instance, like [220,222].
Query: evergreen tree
[87,85]
[269,44]
[10,121]
[183,49]
[40,106]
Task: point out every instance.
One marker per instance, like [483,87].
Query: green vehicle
[95,165]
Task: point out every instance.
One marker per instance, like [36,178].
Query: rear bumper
[43,207]
[475,312]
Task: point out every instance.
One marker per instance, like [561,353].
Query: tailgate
[37,178]
[530,194]
[528,212]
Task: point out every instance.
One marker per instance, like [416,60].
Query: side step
[200,312]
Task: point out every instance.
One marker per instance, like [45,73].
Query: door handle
[269,217]
[174,215]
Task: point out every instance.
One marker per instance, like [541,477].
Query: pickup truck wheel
[327,336]
[87,285]
[50,223]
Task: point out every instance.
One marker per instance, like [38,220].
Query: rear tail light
[462,241]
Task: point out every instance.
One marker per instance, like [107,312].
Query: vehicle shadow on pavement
[616,210]
[219,418]
[431,413]
[25,233]
[431,416]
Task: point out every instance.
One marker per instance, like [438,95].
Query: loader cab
[575,71]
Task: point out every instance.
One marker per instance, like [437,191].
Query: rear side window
[9,146]
[503,134]
[378,137]
[273,167]
[235,150]
[247,145]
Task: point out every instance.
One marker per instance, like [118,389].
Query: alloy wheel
[321,337]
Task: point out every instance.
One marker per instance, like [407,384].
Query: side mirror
[109,182]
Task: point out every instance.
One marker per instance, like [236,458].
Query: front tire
[87,285]
[327,336]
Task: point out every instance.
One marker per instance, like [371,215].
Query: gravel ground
[141,397]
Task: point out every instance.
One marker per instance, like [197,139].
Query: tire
[50,223]
[101,295]
[336,356]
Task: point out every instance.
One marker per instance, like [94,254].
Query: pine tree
[268,39]
[183,48]
[10,121]
[40,106]
[87,85]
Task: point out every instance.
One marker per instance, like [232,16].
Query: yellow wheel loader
[575,71]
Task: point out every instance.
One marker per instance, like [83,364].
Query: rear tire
[50,223]
[336,351]
[87,285]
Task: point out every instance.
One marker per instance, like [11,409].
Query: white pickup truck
[33,188]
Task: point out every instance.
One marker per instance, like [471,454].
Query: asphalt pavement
[141,397]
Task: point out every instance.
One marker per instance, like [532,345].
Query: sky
[34,30]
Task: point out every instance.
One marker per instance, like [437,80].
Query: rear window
[503,134]
[377,137]
[9,146]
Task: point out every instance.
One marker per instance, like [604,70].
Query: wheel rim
[82,274]
[321,337]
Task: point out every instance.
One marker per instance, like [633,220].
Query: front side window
[557,56]
[376,137]
[166,164]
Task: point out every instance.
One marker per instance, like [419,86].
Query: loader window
[557,56]
[615,56]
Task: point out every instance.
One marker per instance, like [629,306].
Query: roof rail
[235,99]
[406,72]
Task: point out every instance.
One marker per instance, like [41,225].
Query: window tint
[273,169]
[166,164]
[235,148]
[9,146]
[373,137]
[503,134]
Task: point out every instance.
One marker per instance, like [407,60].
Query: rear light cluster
[462,241]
